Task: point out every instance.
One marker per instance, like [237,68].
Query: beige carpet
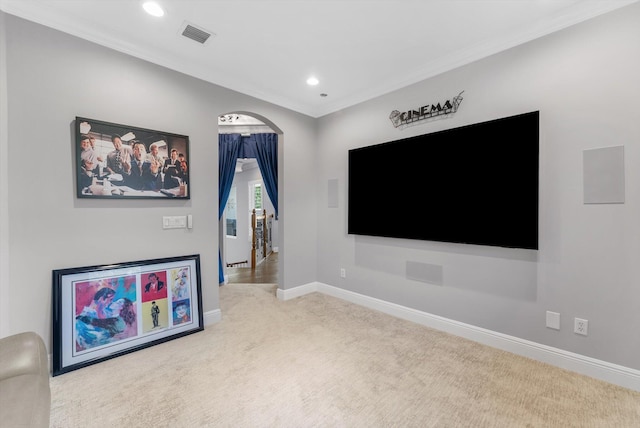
[317,361]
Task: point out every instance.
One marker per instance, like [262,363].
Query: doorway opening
[249,229]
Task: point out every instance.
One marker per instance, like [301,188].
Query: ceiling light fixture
[312,81]
[153,8]
[128,137]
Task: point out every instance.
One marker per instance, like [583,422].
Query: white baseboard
[598,369]
[297,291]
[212,317]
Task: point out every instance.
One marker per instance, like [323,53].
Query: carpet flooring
[318,361]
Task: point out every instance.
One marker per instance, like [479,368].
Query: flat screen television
[476,184]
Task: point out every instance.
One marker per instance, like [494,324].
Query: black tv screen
[476,184]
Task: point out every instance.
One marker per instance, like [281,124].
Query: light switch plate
[174,222]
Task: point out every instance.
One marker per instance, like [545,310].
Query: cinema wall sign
[428,111]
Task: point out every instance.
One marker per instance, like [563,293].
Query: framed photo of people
[102,312]
[116,161]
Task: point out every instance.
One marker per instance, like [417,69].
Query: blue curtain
[228,149]
[266,153]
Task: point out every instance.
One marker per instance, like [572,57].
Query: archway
[247,130]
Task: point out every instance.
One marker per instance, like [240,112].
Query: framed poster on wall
[123,161]
[101,312]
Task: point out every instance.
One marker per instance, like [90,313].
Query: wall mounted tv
[477,184]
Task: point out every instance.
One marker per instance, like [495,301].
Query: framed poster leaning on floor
[101,312]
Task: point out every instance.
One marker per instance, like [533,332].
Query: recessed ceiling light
[312,81]
[153,8]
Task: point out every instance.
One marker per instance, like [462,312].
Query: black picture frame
[105,311]
[102,172]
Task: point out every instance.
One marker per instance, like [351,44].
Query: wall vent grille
[192,32]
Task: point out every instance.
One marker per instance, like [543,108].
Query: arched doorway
[246,194]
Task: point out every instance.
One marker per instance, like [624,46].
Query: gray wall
[52,77]
[584,82]
[4,187]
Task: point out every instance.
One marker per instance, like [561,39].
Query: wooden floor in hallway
[265,273]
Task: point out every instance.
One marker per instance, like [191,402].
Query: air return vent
[195,33]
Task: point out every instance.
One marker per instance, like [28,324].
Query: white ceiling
[358,49]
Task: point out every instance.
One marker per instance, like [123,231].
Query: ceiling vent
[195,33]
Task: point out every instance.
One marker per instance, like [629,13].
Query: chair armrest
[23,353]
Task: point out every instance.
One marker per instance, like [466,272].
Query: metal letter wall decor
[428,111]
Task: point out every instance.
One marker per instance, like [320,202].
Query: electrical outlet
[343,273]
[581,326]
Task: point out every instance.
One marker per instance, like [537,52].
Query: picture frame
[114,161]
[105,311]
